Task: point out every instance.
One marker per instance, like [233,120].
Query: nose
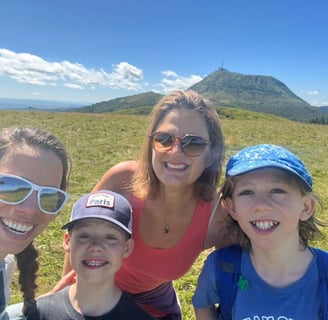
[262,202]
[176,146]
[95,244]
[30,205]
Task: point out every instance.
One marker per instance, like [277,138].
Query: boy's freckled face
[97,248]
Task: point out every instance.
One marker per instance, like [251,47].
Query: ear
[128,248]
[228,205]
[67,242]
[309,207]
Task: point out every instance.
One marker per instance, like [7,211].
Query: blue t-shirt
[298,301]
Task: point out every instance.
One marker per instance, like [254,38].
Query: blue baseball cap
[267,155]
[103,204]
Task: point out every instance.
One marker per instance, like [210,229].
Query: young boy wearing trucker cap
[98,239]
[276,274]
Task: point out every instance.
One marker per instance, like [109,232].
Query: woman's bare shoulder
[118,177]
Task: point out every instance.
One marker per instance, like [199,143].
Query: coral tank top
[147,267]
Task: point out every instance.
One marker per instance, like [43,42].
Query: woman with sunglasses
[172,189]
[34,172]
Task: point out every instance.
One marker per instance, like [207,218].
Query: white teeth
[94,263]
[17,227]
[176,166]
[264,225]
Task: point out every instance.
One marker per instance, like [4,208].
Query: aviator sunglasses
[15,190]
[191,145]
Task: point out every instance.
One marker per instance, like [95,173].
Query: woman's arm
[118,177]
[219,234]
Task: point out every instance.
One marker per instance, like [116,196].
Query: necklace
[166,228]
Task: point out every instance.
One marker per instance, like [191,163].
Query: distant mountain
[230,90]
[30,104]
[323,109]
[143,101]
[256,93]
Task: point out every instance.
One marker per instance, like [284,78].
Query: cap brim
[252,165]
[71,223]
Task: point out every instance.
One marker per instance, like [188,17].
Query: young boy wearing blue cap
[98,239]
[268,192]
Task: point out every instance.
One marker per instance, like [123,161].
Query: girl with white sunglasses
[34,172]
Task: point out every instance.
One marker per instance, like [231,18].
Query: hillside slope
[227,89]
[148,99]
[254,92]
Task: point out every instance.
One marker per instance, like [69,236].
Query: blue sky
[96,50]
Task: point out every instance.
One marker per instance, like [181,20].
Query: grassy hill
[228,90]
[257,93]
[99,140]
[139,103]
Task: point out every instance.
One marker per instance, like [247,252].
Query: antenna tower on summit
[222,63]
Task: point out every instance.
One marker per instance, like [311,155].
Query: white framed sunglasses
[15,190]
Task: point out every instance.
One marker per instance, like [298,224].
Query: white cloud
[169,73]
[172,81]
[313,93]
[31,69]
[124,76]
[318,103]
[38,72]
[73,86]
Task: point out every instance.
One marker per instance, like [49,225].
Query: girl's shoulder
[322,260]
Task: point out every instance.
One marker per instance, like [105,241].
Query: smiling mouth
[175,166]
[94,263]
[16,227]
[265,225]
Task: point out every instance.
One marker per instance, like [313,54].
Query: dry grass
[98,141]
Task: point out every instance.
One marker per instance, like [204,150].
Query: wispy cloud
[34,70]
[172,81]
[31,69]
[313,93]
[314,97]
[73,86]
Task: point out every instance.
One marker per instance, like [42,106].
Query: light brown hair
[146,183]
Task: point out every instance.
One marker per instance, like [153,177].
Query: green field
[98,141]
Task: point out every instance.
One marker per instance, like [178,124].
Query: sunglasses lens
[162,141]
[51,200]
[193,145]
[13,190]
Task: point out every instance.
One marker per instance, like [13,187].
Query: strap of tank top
[216,203]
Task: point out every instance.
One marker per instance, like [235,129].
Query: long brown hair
[146,183]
